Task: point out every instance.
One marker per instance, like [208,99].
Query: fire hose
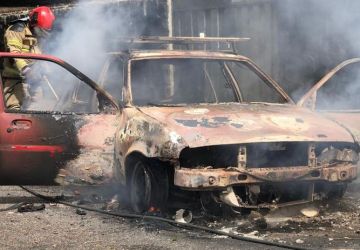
[156,218]
[12,207]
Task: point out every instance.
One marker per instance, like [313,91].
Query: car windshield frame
[272,84]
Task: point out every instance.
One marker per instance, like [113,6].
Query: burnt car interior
[189,81]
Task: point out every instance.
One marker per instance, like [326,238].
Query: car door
[61,134]
[336,96]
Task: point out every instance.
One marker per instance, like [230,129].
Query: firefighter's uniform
[18,39]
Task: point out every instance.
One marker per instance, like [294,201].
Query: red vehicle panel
[38,147]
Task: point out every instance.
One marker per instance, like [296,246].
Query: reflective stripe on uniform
[20,63]
[15,42]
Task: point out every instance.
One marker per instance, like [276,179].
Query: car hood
[205,125]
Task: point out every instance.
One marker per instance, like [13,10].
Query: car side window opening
[252,87]
[342,91]
[190,81]
[113,81]
[51,88]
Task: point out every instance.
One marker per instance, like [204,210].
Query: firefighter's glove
[31,74]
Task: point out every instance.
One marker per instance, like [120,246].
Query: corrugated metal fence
[254,19]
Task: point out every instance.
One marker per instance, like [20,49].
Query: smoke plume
[86,33]
[315,36]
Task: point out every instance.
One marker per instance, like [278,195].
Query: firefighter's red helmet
[42,17]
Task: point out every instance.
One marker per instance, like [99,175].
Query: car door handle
[19,124]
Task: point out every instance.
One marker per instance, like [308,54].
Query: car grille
[258,155]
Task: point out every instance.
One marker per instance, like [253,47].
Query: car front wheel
[148,186]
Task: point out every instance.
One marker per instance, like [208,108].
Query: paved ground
[59,227]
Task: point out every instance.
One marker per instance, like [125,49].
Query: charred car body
[210,124]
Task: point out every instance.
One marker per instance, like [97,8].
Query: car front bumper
[212,179]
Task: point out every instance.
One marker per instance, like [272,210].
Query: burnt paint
[214,122]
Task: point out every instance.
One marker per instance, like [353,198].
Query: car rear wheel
[148,186]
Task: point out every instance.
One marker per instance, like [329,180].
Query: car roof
[153,54]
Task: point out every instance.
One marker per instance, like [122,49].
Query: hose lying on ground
[12,207]
[149,217]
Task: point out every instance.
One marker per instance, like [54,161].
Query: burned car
[211,125]
[214,124]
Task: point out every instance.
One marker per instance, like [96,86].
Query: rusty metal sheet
[204,125]
[93,164]
[350,120]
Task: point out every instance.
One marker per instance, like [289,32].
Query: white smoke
[315,36]
[86,33]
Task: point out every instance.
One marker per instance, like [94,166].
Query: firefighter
[24,36]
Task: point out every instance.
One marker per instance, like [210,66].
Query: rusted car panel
[348,119]
[165,134]
[246,123]
[95,141]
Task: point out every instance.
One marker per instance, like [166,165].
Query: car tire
[148,186]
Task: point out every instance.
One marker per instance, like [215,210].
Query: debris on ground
[335,226]
[80,211]
[30,207]
[113,204]
[299,241]
[254,235]
[310,212]
[258,220]
[183,216]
